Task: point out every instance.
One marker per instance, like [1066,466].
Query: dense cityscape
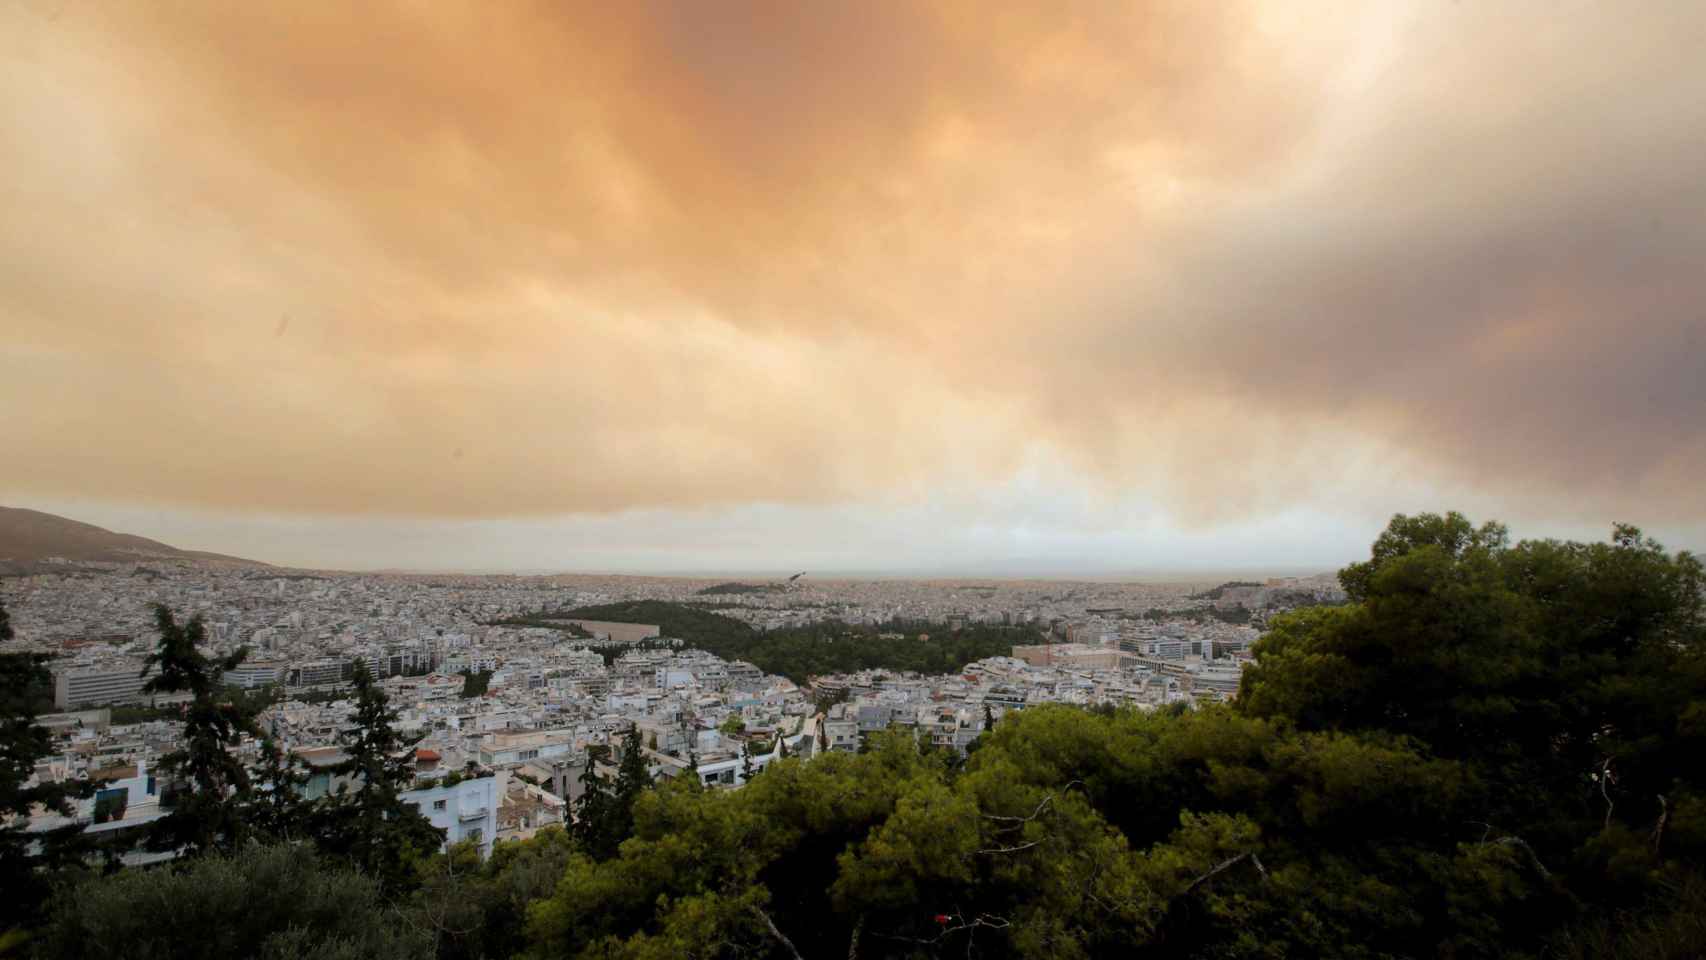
[545,694]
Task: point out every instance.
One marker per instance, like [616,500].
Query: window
[473,834]
[529,754]
[438,804]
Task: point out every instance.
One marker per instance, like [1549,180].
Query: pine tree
[278,810]
[209,786]
[593,810]
[367,821]
[633,777]
[23,743]
[988,717]
[604,815]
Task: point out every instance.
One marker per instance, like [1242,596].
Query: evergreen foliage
[475,684]
[277,809]
[365,821]
[604,815]
[207,786]
[267,902]
[594,814]
[23,743]
[800,653]
[478,910]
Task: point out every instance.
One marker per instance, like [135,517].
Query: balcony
[471,813]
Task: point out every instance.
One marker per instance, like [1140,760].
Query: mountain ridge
[29,537]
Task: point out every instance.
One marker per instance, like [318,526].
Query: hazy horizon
[1302,550]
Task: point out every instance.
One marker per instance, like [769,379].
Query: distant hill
[28,537]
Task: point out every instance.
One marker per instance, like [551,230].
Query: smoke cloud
[469,260]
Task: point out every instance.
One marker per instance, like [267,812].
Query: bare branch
[778,934]
[1533,858]
[981,920]
[1034,813]
[1217,869]
[1605,778]
[1659,827]
[1028,844]
[1259,868]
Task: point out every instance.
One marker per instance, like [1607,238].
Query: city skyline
[907,288]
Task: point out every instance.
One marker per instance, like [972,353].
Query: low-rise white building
[513,749]
[464,809]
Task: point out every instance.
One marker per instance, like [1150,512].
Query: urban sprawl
[510,714]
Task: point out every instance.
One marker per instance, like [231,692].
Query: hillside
[27,537]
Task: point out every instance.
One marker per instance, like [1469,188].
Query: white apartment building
[82,686]
[465,810]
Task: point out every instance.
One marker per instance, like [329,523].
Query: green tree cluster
[275,902]
[474,910]
[1491,751]
[604,813]
[826,647]
[474,683]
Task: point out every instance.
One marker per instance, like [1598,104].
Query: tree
[1491,750]
[208,785]
[474,910]
[278,810]
[268,902]
[604,814]
[1560,674]
[716,872]
[632,773]
[110,808]
[1550,667]
[633,777]
[366,821]
[799,653]
[24,743]
[475,684]
[594,816]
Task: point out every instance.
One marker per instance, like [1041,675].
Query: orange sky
[1189,265]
